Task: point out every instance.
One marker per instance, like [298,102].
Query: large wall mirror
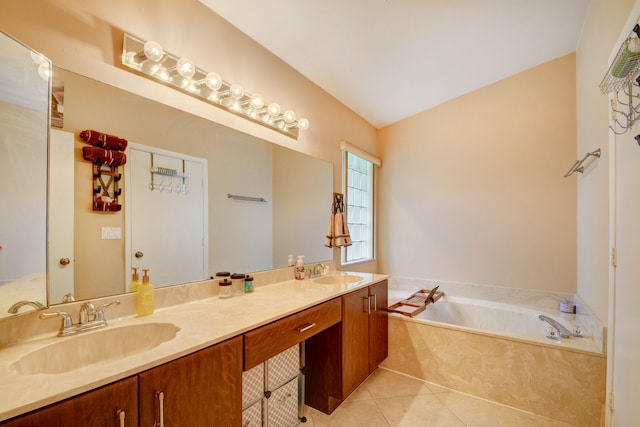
[91,253]
[24,123]
[282,208]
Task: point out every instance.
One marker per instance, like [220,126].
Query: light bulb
[303,124]
[153,51]
[236,91]
[186,68]
[163,74]
[289,117]
[37,58]
[274,109]
[213,81]
[44,71]
[257,101]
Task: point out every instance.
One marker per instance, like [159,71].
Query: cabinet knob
[139,254]
[64,261]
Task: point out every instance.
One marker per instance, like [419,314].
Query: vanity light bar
[152,61]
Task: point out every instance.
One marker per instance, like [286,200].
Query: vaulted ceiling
[390,59]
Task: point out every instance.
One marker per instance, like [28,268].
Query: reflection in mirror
[243,235]
[24,123]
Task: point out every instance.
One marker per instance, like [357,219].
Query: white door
[167,229]
[61,190]
[626,295]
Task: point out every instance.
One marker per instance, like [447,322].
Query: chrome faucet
[15,307]
[316,270]
[87,313]
[562,331]
[90,318]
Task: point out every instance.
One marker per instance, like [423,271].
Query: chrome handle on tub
[161,399]
[306,327]
[121,417]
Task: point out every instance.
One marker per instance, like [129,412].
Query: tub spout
[564,332]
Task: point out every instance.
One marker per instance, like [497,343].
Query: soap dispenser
[299,268]
[144,297]
[135,280]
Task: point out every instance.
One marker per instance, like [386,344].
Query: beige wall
[602,27]
[473,190]
[86,37]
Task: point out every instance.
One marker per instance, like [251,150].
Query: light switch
[111,233]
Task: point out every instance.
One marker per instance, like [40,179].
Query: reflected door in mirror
[168,209]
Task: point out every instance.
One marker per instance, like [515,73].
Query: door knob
[139,254]
[65,261]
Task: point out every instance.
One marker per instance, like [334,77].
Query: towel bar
[246,198]
[578,166]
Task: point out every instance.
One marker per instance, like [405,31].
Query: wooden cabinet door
[96,408]
[355,340]
[378,325]
[201,389]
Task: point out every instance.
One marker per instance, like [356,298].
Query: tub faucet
[562,331]
[15,307]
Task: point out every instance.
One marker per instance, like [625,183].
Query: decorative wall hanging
[106,153]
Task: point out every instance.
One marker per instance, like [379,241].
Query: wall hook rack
[579,165]
[625,108]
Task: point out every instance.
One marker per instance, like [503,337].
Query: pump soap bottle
[135,280]
[299,268]
[144,297]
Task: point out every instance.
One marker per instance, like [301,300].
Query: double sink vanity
[183,365]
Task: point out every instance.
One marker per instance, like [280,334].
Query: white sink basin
[337,279]
[92,347]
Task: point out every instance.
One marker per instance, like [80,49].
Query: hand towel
[328,241]
[341,236]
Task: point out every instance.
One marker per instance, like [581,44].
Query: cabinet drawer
[267,341]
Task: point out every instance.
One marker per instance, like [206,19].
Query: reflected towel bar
[247,198]
[578,166]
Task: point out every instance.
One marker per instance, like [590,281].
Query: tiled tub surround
[561,380]
[203,319]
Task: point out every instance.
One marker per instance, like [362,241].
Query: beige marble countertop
[202,323]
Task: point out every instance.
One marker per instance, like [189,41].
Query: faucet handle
[100,313]
[67,323]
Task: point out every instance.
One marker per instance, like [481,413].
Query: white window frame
[360,213]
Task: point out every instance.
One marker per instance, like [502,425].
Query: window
[359,191]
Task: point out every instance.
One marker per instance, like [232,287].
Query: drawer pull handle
[367,304]
[161,399]
[306,327]
[375,302]
[121,416]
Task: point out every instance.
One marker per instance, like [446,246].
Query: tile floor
[390,399]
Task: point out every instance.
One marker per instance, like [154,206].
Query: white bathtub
[488,341]
[502,311]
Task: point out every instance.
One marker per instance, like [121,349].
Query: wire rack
[623,69]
